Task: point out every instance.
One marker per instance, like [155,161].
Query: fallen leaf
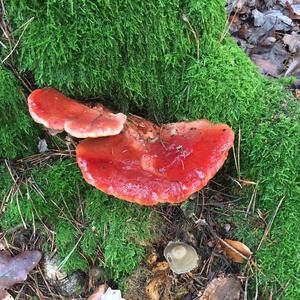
[152,258]
[266,66]
[42,146]
[100,291]
[222,288]
[152,288]
[162,266]
[294,68]
[272,19]
[294,10]
[235,250]
[4,295]
[270,61]
[15,269]
[292,41]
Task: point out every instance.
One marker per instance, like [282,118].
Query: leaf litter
[269,32]
[235,250]
[15,269]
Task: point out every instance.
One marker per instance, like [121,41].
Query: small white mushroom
[181,257]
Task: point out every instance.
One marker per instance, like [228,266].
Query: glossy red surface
[56,111]
[150,165]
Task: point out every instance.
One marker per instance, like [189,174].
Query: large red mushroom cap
[147,164]
[56,111]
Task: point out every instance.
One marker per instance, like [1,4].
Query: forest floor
[205,221]
[45,203]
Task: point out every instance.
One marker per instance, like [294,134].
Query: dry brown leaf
[222,288]
[266,66]
[4,295]
[152,258]
[15,269]
[293,41]
[294,10]
[235,250]
[162,266]
[157,287]
[153,287]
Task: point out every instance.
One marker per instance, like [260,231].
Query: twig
[236,156]
[185,19]
[19,210]
[267,231]
[256,288]
[246,289]
[252,202]
[232,248]
[227,24]
[64,261]
[18,41]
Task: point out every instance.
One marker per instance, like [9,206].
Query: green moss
[118,229]
[18,135]
[122,228]
[132,52]
[143,57]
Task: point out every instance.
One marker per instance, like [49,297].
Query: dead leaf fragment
[15,269]
[266,66]
[152,258]
[222,288]
[272,19]
[295,8]
[162,266]
[235,250]
[103,292]
[100,291]
[158,286]
[293,41]
[294,68]
[42,146]
[152,288]
[5,295]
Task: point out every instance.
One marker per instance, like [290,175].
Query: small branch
[192,29]
[18,41]
[267,231]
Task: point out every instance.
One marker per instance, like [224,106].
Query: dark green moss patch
[18,134]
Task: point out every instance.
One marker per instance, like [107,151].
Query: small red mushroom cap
[56,111]
[147,164]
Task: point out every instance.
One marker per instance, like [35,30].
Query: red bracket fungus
[136,160]
[147,164]
[56,111]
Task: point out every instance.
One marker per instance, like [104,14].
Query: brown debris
[292,41]
[15,269]
[235,250]
[100,291]
[222,288]
[268,32]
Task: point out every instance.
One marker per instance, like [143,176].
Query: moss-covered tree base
[143,57]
